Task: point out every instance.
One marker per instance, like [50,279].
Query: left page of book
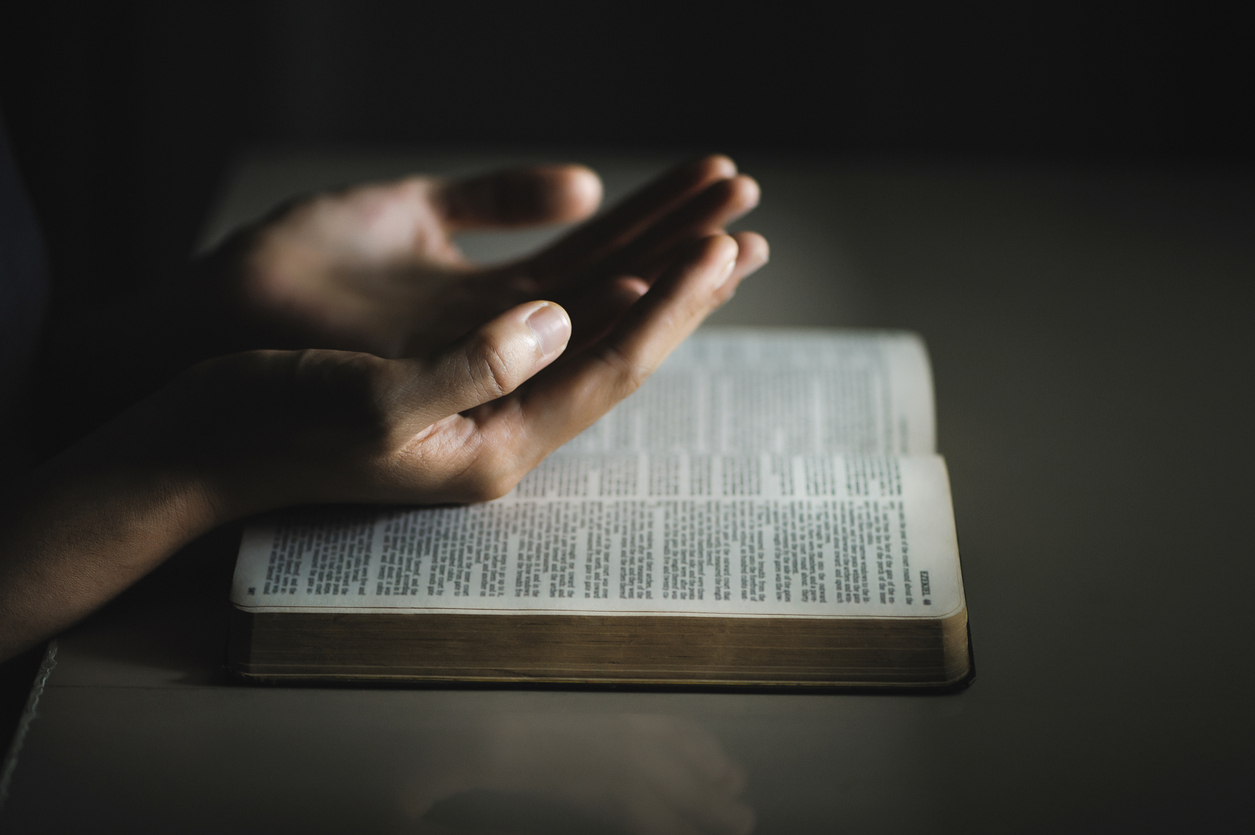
[635,533]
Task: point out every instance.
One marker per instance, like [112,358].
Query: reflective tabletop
[1090,338]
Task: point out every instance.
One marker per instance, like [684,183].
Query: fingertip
[717,166]
[721,247]
[745,191]
[754,249]
[581,191]
[551,328]
[599,306]
[720,252]
[621,295]
[752,253]
[488,363]
[629,288]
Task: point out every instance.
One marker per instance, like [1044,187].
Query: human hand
[464,423]
[374,268]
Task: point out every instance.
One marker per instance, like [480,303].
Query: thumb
[491,362]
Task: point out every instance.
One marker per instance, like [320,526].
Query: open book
[768,509]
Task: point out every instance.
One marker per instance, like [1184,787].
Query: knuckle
[348,390]
[489,472]
[489,369]
[490,485]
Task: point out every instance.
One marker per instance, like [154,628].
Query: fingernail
[551,328]
[727,272]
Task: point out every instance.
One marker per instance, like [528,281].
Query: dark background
[124,114]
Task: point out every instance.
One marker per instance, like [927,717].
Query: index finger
[593,241]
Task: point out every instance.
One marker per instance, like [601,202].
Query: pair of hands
[424,378]
[419,377]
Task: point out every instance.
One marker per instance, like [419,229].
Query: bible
[768,509]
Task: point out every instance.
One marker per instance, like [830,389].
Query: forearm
[82,528]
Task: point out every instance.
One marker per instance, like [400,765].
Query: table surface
[1090,331]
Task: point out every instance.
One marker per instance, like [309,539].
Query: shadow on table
[169,628]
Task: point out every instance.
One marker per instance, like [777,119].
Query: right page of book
[756,474]
[791,391]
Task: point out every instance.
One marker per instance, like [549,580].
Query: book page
[784,391]
[635,533]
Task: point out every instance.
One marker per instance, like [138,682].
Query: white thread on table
[28,716]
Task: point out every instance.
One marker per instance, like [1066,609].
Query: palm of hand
[375,269]
[372,270]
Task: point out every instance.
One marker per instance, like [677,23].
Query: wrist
[166,503]
[80,529]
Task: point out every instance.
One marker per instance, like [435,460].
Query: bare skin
[419,378]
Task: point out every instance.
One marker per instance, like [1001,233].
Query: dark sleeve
[23,298]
